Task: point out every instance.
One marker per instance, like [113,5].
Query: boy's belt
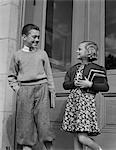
[31,81]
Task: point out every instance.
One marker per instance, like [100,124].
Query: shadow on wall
[10,128]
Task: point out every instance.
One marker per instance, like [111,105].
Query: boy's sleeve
[51,86]
[12,74]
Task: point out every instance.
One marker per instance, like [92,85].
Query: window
[58,33]
[110,34]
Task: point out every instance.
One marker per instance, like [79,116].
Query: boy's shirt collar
[25,49]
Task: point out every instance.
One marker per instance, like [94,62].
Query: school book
[94,72]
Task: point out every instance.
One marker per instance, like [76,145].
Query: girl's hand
[83,83]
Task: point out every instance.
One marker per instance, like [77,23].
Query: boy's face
[82,53]
[32,39]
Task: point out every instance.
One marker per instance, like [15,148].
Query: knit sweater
[30,68]
[97,86]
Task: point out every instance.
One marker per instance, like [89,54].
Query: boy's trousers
[32,115]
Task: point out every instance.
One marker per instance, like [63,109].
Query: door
[58,45]
[109,101]
[101,27]
[64,29]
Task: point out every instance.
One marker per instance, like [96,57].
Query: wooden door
[58,44]
[102,28]
[65,23]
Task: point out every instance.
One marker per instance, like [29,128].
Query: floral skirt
[80,113]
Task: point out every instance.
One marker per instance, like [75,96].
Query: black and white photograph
[58,75]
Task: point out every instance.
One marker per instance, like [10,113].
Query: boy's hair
[92,49]
[29,27]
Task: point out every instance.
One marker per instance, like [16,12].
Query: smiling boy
[30,76]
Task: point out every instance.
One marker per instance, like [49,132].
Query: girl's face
[82,52]
[32,39]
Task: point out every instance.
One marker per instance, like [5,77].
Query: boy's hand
[83,83]
[16,88]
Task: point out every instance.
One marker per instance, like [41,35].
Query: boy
[30,76]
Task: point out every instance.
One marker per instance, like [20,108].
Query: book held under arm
[52,97]
[97,75]
[94,73]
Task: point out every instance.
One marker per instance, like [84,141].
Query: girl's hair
[29,27]
[92,49]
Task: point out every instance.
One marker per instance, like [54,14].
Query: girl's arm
[100,85]
[69,81]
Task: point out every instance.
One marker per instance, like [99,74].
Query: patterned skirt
[80,113]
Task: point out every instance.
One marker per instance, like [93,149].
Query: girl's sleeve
[100,84]
[68,84]
[12,74]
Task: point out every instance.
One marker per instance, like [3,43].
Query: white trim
[22,16]
[95,73]
[23,11]
[78,26]
[102,33]
[43,24]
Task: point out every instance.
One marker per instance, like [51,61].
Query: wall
[9,21]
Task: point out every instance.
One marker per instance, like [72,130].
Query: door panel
[110,34]
[104,34]
[58,34]
[64,30]
[58,44]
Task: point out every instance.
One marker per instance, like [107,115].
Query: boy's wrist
[16,88]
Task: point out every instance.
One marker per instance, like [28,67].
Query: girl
[80,115]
